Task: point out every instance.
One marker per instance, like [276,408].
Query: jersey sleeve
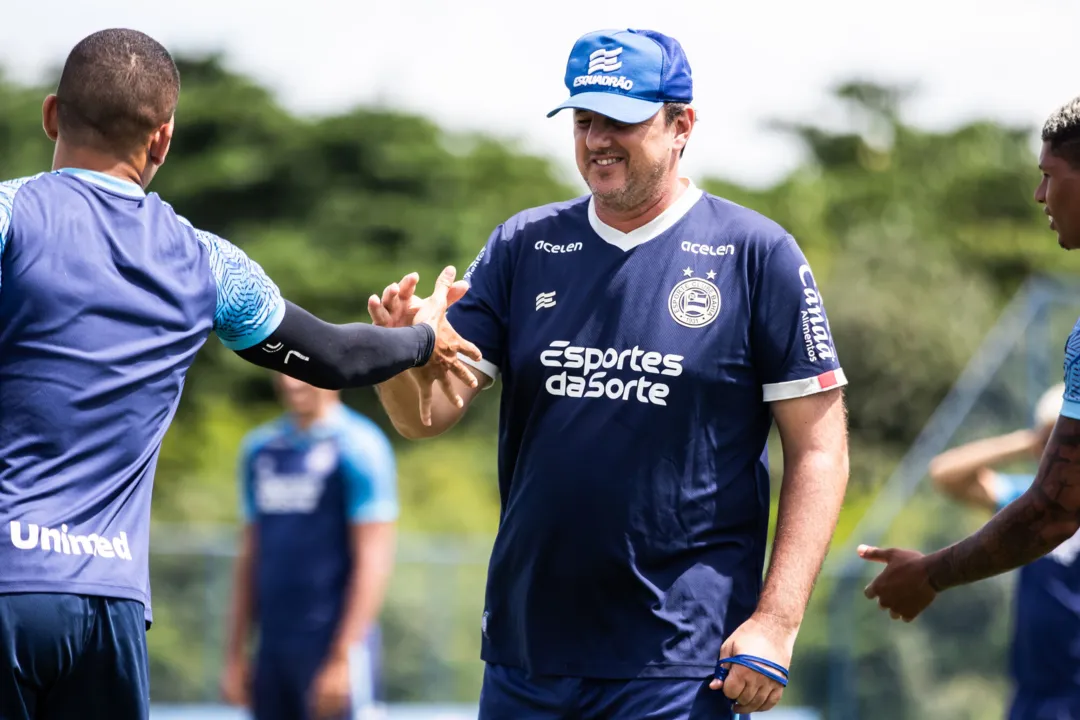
[481,315]
[793,346]
[370,472]
[1008,488]
[8,188]
[249,304]
[1070,406]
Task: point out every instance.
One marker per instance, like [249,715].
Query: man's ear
[49,120]
[160,142]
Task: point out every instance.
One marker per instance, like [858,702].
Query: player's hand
[444,361]
[330,689]
[763,637]
[235,683]
[903,587]
[400,307]
[399,304]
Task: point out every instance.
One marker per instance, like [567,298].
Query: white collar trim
[656,226]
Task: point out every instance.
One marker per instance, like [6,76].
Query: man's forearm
[400,397]
[336,357]
[241,608]
[966,460]
[1028,528]
[366,592]
[810,500]
[1021,533]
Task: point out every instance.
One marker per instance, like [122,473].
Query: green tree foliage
[917,239]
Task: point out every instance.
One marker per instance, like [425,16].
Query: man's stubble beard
[640,187]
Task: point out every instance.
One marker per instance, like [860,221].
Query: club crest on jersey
[694,302]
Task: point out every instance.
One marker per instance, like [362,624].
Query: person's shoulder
[1074,334]
[8,190]
[364,447]
[207,239]
[734,219]
[360,432]
[10,187]
[575,209]
[1072,343]
[262,435]
[225,259]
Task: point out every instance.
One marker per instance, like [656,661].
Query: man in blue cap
[646,335]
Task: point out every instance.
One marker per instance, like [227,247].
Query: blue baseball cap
[626,75]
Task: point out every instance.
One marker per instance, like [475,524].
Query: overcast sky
[498,66]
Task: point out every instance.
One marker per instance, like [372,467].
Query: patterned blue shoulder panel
[1071,405]
[8,188]
[249,304]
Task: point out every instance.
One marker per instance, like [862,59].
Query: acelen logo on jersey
[53,540]
[555,248]
[815,329]
[703,249]
[592,384]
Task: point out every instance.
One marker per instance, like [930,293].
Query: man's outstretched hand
[399,304]
[903,587]
[399,307]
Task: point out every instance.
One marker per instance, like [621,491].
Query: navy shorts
[508,693]
[72,657]
[285,670]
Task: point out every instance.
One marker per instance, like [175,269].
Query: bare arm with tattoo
[1034,524]
[1038,521]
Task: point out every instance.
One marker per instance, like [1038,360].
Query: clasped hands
[400,307]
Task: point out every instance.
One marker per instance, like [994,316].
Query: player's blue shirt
[303,490]
[637,370]
[1045,653]
[105,297]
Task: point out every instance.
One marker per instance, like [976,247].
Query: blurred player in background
[647,335]
[319,494]
[106,295]
[1045,652]
[1047,514]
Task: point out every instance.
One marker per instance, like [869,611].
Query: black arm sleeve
[340,356]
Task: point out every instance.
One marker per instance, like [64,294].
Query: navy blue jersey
[105,297]
[637,370]
[1045,653]
[303,489]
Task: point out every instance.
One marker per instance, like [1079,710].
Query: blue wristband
[754,663]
